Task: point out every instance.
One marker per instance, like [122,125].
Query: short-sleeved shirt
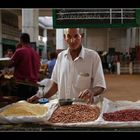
[67,73]
[27,63]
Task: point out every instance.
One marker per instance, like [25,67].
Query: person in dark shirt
[26,62]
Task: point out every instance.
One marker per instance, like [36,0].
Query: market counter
[42,128]
[40,124]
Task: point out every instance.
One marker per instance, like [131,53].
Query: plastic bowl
[63,102]
[43,100]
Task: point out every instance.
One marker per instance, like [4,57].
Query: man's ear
[82,35]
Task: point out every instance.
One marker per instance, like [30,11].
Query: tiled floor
[122,87]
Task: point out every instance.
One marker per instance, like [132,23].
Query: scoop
[63,102]
[69,101]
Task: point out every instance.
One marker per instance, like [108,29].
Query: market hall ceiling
[42,12]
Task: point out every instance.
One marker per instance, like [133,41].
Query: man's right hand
[33,99]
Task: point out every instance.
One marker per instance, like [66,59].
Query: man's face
[73,38]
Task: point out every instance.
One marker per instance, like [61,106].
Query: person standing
[26,63]
[9,53]
[51,63]
[78,71]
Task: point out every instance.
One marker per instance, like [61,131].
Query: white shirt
[66,73]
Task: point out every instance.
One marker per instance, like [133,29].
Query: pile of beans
[75,113]
[123,115]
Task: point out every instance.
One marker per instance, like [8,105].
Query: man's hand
[87,95]
[33,99]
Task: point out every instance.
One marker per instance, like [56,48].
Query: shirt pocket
[83,82]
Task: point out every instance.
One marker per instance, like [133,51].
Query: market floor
[122,87]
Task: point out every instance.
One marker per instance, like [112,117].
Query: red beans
[123,115]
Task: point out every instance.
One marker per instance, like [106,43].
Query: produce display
[75,113]
[105,114]
[24,109]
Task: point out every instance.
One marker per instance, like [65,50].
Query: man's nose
[72,39]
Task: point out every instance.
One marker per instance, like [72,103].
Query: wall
[117,39]
[96,39]
[100,39]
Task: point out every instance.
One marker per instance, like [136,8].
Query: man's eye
[68,36]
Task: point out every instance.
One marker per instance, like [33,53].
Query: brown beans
[75,113]
[123,115]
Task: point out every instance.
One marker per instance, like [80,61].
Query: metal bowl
[63,102]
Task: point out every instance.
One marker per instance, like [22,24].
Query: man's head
[52,55]
[24,38]
[73,37]
[9,53]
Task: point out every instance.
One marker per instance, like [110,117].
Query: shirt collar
[81,55]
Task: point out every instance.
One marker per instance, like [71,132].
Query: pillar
[45,44]
[130,68]
[85,38]
[60,45]
[30,23]
[118,68]
[138,36]
[0,36]
[108,39]
[128,39]
[133,38]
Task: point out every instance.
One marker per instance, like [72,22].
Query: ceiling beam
[45,12]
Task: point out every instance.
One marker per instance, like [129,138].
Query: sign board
[95,17]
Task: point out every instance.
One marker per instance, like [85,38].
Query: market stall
[99,123]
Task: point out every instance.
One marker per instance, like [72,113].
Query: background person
[26,63]
[50,63]
[9,53]
[78,71]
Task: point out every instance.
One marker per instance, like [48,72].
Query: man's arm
[53,89]
[97,90]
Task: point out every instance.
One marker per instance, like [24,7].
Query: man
[26,63]
[78,71]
